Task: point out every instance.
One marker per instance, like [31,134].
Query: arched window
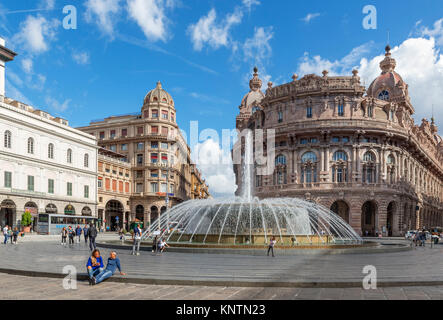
[368,157]
[309,168]
[391,159]
[86,161]
[340,155]
[30,145]
[369,168]
[8,139]
[69,156]
[51,151]
[280,159]
[384,95]
[309,157]
[340,168]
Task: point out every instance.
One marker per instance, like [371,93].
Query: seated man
[113,264]
[95,265]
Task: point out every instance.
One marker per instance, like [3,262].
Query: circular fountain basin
[238,222]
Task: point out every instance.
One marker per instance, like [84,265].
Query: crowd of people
[74,235]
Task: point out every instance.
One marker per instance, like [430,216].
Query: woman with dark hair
[64,235]
[94,265]
[271,246]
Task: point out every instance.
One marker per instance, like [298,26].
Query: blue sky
[204,51]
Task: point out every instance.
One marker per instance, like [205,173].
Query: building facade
[114,189]
[157,154]
[199,188]
[355,151]
[45,165]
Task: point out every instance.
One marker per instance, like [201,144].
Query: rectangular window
[112,134]
[8,179]
[113,148]
[164,175]
[114,185]
[127,187]
[139,188]
[139,159]
[164,131]
[280,116]
[164,158]
[120,186]
[69,188]
[165,115]
[303,141]
[140,146]
[165,145]
[86,189]
[50,186]
[335,139]
[154,129]
[30,183]
[139,174]
[140,130]
[154,157]
[345,139]
[154,145]
[309,112]
[155,113]
[124,132]
[341,111]
[154,174]
[102,135]
[154,187]
[100,182]
[172,117]
[124,147]
[314,140]
[163,187]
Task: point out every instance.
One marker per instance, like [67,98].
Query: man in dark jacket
[85,233]
[78,233]
[92,234]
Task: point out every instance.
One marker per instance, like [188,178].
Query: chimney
[5,56]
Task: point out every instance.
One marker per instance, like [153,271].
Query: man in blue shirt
[78,233]
[137,240]
[111,267]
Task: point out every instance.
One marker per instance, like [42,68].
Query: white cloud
[216,167]
[310,16]
[257,49]
[27,65]
[57,106]
[81,57]
[317,64]
[213,33]
[436,32]
[248,4]
[47,4]
[36,33]
[419,62]
[104,13]
[151,17]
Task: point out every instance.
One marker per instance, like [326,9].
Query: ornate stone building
[355,151]
[199,188]
[157,155]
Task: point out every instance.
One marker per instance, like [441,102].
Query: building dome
[158,95]
[389,83]
[255,95]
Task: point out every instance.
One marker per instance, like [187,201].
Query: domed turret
[389,84]
[158,95]
[254,96]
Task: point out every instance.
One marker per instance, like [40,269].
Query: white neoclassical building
[45,165]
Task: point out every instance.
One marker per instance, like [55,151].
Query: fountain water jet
[242,221]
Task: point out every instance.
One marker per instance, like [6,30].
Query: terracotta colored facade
[355,151]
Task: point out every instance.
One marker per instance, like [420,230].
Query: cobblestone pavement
[417,265]
[52,289]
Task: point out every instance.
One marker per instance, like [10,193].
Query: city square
[144,161]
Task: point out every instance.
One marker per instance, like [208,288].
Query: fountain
[247,221]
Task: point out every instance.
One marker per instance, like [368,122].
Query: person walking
[64,236]
[423,238]
[5,234]
[78,233]
[92,234]
[154,244]
[271,246]
[94,265]
[15,235]
[137,241]
[71,235]
[112,265]
[10,235]
[85,233]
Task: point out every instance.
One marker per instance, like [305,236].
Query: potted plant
[26,221]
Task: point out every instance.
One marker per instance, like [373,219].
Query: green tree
[26,219]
